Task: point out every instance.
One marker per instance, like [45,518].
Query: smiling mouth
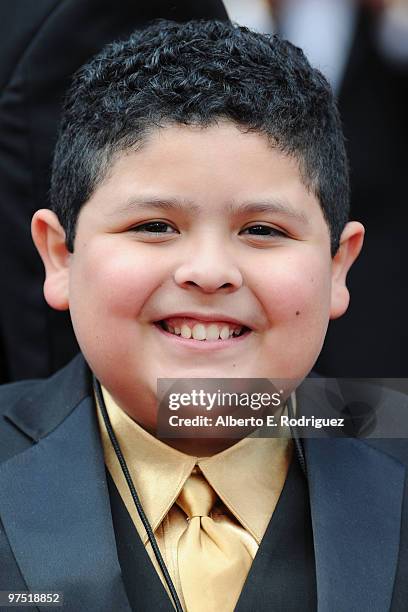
[203,331]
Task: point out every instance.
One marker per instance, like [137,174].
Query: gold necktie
[213,560]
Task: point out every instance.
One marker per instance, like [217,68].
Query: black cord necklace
[297,441]
[134,494]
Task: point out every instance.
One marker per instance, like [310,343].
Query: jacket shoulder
[31,409]
[13,441]
[390,430]
[11,393]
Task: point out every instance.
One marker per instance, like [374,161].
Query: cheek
[115,281]
[295,296]
[295,290]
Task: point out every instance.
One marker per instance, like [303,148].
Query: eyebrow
[271,206]
[158,203]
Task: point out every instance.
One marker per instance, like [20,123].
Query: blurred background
[362,48]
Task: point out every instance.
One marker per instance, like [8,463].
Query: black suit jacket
[56,528]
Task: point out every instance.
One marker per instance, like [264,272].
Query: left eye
[262,230]
[154,227]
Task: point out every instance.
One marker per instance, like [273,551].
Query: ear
[49,238]
[351,241]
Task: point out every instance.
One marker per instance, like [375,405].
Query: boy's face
[200,227]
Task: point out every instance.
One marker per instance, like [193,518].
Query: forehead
[206,170]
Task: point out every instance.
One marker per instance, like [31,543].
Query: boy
[199,230]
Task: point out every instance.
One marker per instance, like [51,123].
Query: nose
[210,268]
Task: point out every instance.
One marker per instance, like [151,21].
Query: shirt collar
[248,476]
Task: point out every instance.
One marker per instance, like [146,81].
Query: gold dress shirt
[248,478]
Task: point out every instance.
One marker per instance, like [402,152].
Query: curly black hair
[197,73]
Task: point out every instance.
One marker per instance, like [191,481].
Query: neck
[199,447]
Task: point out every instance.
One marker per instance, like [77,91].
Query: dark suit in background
[370,339]
[43,42]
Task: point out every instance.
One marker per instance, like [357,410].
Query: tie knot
[197,497]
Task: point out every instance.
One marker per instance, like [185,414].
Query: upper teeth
[201,331]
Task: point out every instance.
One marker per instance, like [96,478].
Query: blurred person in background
[362,48]
[42,44]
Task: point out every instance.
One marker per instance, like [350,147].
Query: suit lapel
[56,513]
[356,494]
[356,497]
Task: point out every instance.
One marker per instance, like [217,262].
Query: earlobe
[351,242]
[49,238]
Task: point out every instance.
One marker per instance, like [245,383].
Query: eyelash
[274,231]
[143,228]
